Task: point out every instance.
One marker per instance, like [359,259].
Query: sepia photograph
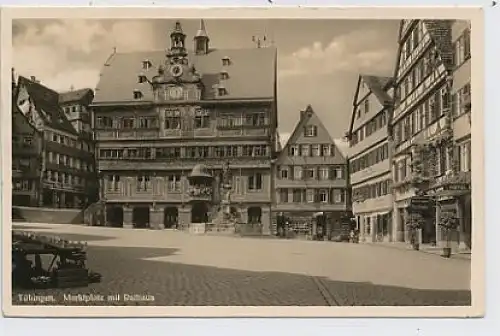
[251,162]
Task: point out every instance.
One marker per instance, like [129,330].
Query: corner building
[53,163]
[159,114]
[369,158]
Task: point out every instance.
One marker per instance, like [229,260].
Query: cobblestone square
[172,268]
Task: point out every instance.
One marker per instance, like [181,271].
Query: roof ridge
[39,84]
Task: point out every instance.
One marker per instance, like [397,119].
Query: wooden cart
[67,267]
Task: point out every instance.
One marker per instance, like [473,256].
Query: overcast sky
[318,60]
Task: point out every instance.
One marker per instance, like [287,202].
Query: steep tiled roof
[251,74]
[440,32]
[305,118]
[76,95]
[378,85]
[46,101]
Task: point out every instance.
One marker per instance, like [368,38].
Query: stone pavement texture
[181,269]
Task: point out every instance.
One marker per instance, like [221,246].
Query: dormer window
[146,64]
[142,78]
[226,61]
[137,94]
[224,75]
[311,131]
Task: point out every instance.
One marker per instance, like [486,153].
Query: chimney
[33,78]
[302,114]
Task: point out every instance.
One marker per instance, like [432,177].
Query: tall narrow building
[159,114]
[369,158]
[311,176]
[424,160]
[462,109]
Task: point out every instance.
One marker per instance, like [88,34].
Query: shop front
[453,197]
[376,226]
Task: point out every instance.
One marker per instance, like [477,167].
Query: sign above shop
[421,203]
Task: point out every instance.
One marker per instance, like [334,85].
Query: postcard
[315,162]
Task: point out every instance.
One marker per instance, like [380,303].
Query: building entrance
[140,217]
[114,216]
[170,217]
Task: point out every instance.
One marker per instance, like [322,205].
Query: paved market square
[175,268]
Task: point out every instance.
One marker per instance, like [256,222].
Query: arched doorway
[254,215]
[170,217]
[140,217]
[114,216]
[199,212]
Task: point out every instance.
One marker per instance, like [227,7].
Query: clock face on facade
[176,70]
[175,92]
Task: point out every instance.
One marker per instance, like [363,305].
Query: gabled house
[369,158]
[65,172]
[311,175]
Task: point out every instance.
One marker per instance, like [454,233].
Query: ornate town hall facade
[158,115]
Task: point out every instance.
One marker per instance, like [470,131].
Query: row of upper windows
[422,69]
[68,161]
[369,159]
[174,181]
[174,121]
[372,190]
[461,53]
[311,173]
[186,152]
[297,195]
[63,178]
[428,112]
[315,150]
[436,162]
[67,141]
[376,123]
[143,182]
[26,140]
[250,119]
[412,41]
[74,109]
[126,122]
[22,185]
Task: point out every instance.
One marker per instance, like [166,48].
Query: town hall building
[159,114]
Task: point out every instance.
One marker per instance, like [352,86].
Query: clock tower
[177,79]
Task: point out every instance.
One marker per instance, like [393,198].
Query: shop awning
[316,214]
